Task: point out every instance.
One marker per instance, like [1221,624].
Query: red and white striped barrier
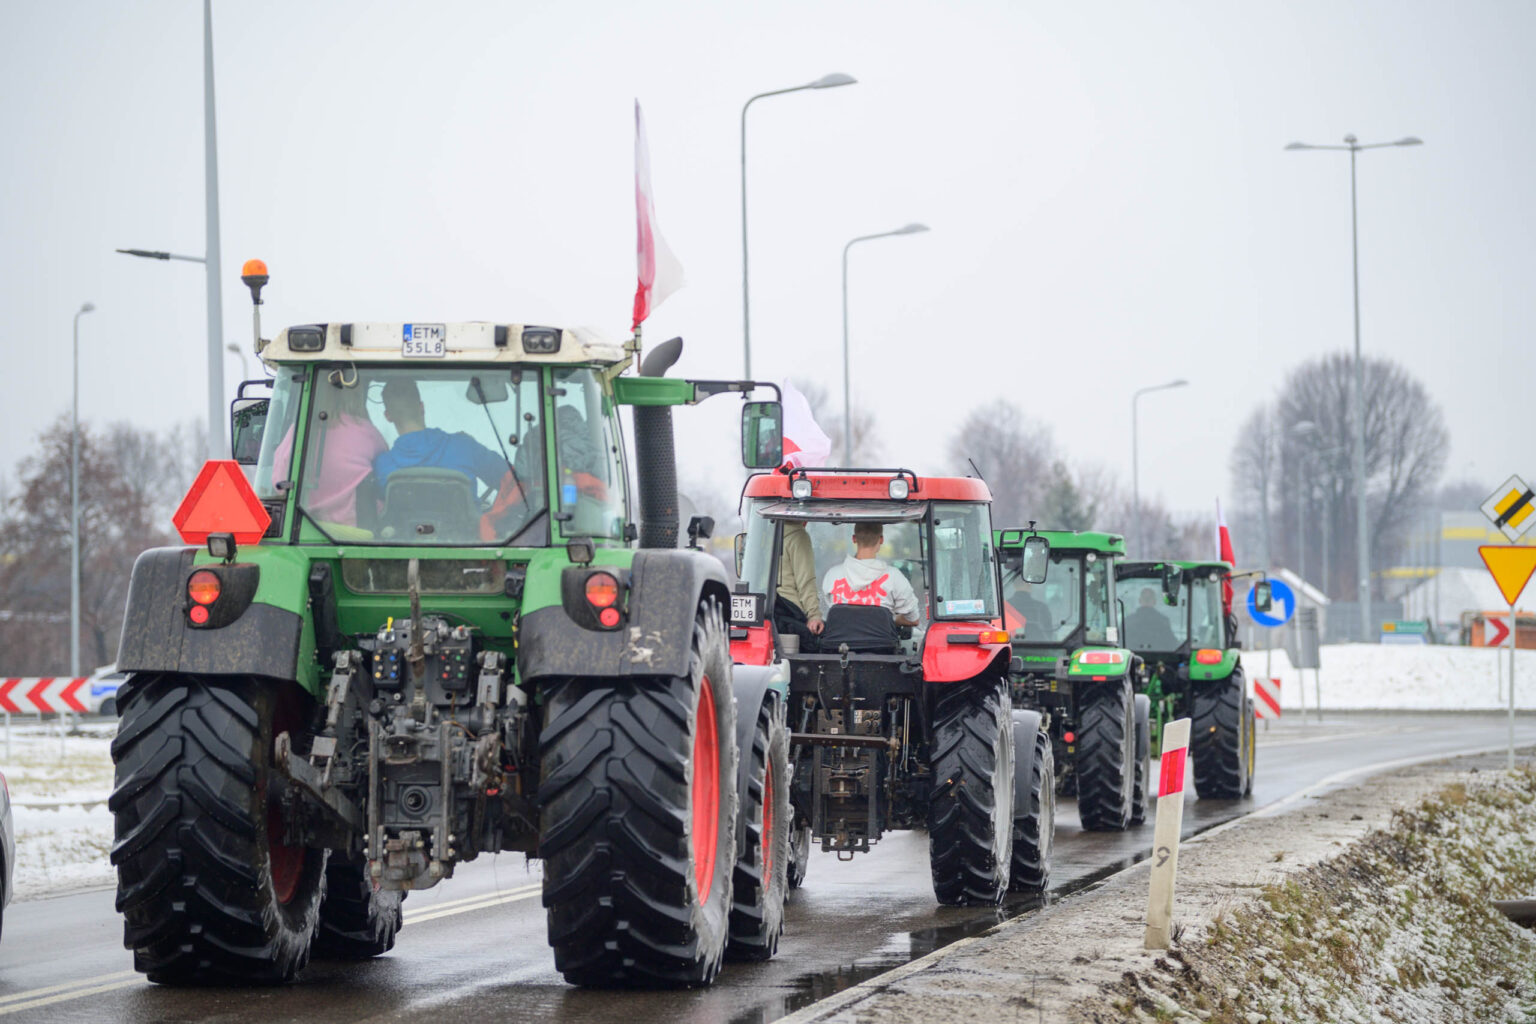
[1266,698]
[1165,835]
[48,694]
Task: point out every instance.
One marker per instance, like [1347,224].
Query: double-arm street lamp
[1135,469]
[910,229]
[74,502]
[1363,536]
[824,82]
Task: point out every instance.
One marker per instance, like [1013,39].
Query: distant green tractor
[1069,664]
[1181,625]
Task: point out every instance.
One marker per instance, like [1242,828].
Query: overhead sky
[1110,202]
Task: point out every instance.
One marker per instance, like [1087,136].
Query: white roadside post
[1165,834]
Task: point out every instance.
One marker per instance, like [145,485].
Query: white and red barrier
[1266,698]
[1165,834]
[48,694]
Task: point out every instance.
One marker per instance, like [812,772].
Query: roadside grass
[1398,927]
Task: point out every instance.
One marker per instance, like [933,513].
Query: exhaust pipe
[656,456]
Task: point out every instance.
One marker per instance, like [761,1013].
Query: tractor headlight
[897,489]
[541,341]
[800,488]
[306,339]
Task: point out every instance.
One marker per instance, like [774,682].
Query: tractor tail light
[602,591]
[1069,736]
[1207,656]
[1100,658]
[203,587]
[993,636]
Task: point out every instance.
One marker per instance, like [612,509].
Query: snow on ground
[1405,677]
[59,806]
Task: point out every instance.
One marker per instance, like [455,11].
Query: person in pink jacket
[343,446]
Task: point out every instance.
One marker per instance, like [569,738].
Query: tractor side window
[274,466]
[1096,616]
[588,458]
[964,574]
[757,558]
[1205,614]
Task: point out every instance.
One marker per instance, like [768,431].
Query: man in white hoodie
[865,579]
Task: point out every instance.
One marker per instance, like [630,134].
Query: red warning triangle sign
[221,501]
[1511,567]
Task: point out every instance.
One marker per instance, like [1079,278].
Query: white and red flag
[660,273]
[805,443]
[1224,553]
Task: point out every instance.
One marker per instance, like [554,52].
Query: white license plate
[424,341]
[744,608]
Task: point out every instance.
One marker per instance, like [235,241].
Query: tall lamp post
[1363,536]
[910,229]
[210,261]
[74,502]
[1135,455]
[824,82]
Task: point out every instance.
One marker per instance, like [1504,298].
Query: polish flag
[1224,553]
[805,443]
[660,273]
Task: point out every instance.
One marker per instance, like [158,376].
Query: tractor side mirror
[741,552]
[1262,599]
[762,435]
[247,422]
[1037,551]
[1170,583]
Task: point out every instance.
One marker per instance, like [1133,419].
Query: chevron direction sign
[48,694]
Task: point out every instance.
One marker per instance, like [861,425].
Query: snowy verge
[1073,960]
[58,807]
[1401,677]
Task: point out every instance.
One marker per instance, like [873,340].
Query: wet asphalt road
[473,949]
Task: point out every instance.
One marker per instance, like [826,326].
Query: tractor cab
[1173,608]
[880,590]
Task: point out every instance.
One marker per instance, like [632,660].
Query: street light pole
[825,82]
[74,502]
[1135,456]
[910,229]
[216,444]
[1363,535]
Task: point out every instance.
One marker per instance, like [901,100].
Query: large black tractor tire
[1106,756]
[761,880]
[1219,739]
[208,891]
[1034,805]
[970,812]
[799,854]
[1143,711]
[638,821]
[356,920]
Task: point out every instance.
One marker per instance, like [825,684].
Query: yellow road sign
[1511,568]
[1512,507]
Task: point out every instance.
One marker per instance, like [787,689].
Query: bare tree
[1255,466]
[1014,454]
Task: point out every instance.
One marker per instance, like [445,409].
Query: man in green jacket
[797,607]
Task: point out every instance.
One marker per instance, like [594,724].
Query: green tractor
[1181,625]
[1070,665]
[426,633]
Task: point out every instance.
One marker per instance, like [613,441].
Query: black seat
[865,628]
[431,504]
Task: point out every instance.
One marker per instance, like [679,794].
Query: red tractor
[899,705]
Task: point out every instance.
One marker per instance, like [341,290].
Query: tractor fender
[263,640]
[1099,663]
[665,588]
[1142,713]
[1214,671]
[754,686]
[1026,726]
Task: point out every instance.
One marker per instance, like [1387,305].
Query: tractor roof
[1141,568]
[1067,540]
[382,343]
[869,484]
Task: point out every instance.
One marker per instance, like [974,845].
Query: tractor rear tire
[208,891]
[1106,757]
[1143,708]
[638,820]
[761,882]
[970,813]
[357,922]
[1034,811]
[1218,738]
[1253,734]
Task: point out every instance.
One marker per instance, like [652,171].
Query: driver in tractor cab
[864,579]
[422,446]
[1147,629]
[1035,613]
[797,605]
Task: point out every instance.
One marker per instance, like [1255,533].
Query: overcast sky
[1109,200]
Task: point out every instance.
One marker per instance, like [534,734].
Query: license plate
[424,341]
[745,609]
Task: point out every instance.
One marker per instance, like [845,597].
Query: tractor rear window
[1048,611]
[964,573]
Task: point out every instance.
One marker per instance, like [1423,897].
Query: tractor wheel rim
[287,862]
[706,791]
[768,822]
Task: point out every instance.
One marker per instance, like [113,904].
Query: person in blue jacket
[421,445]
